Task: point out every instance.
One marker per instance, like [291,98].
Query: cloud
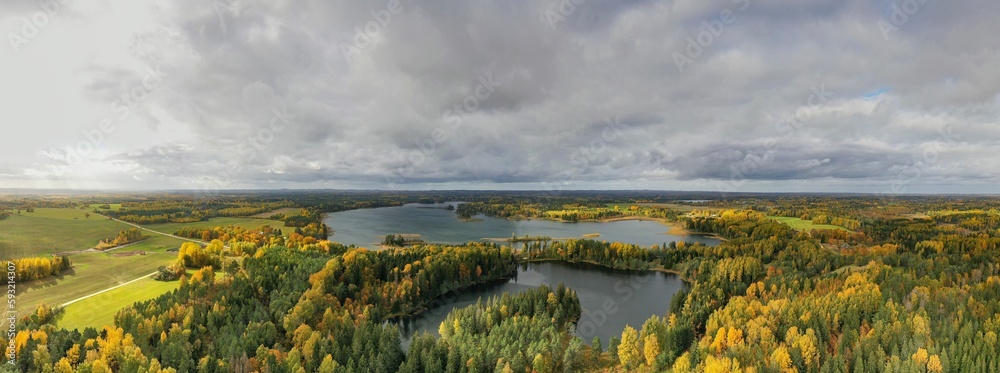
[512,94]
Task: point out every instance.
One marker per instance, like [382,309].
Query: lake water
[367,227]
[610,299]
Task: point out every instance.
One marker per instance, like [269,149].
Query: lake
[367,227]
[610,299]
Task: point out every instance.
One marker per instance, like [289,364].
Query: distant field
[673,206]
[804,225]
[114,207]
[91,272]
[100,309]
[288,211]
[51,230]
[215,222]
[155,243]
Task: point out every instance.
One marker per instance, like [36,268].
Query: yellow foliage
[734,337]
[721,365]
[628,349]
[720,341]
[651,349]
[920,357]
[63,366]
[783,359]
[934,364]
[683,363]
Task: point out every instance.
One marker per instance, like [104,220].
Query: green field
[155,243]
[100,309]
[50,230]
[91,272]
[216,222]
[114,207]
[288,211]
[804,225]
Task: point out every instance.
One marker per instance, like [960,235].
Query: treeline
[231,233]
[187,210]
[122,238]
[614,255]
[734,224]
[27,269]
[512,333]
[238,241]
[401,282]
[559,209]
[285,310]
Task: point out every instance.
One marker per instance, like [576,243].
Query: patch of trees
[394,240]
[516,333]
[186,210]
[169,273]
[122,238]
[27,269]
[192,254]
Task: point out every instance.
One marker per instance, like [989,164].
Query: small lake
[610,299]
[435,223]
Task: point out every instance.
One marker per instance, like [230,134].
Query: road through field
[105,290]
[140,278]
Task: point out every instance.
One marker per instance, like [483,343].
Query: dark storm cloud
[323,93]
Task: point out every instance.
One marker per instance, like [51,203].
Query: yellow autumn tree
[683,363]
[783,359]
[920,357]
[651,349]
[628,349]
[734,337]
[63,366]
[934,364]
[721,365]
[720,341]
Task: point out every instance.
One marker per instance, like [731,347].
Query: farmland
[804,225]
[53,230]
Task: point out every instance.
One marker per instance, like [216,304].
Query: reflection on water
[367,227]
[610,299]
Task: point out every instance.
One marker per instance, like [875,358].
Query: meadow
[217,222]
[91,272]
[804,225]
[53,230]
[100,309]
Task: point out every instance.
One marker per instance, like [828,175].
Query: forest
[910,285]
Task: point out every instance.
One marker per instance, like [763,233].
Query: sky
[875,96]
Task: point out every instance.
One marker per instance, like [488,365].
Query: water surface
[367,227]
[610,299]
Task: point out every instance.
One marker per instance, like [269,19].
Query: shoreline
[427,307]
[675,229]
[654,269]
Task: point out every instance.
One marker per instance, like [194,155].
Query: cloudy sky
[882,96]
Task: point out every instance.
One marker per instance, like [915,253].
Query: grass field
[113,207]
[675,206]
[91,272]
[100,309]
[155,243]
[288,211]
[50,230]
[804,225]
[215,222]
